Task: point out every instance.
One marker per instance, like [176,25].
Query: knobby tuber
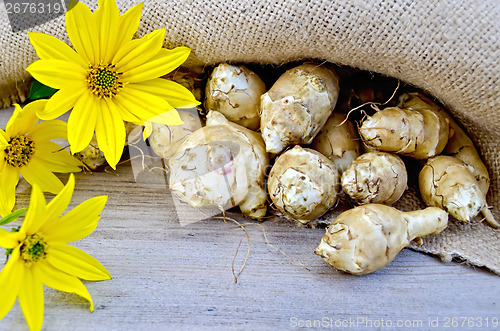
[235,91]
[449,183]
[376,177]
[297,106]
[459,144]
[367,238]
[339,141]
[222,164]
[303,184]
[419,133]
[193,78]
[165,139]
[93,157]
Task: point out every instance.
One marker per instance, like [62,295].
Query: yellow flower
[39,253]
[26,148]
[110,78]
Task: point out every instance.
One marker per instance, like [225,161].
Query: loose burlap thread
[448,48]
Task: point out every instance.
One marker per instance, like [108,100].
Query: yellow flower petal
[78,223]
[129,23]
[31,299]
[125,114]
[76,262]
[9,177]
[58,205]
[48,130]
[107,16]
[148,129]
[142,104]
[56,159]
[11,279]
[36,214]
[138,51]
[82,31]
[9,239]
[110,134]
[176,95]
[161,64]
[61,281]
[63,100]
[23,119]
[3,140]
[36,173]
[57,74]
[82,121]
[170,117]
[49,47]
[13,118]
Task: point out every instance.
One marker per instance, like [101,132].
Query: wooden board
[172,274]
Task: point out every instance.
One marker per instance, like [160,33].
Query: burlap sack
[449,48]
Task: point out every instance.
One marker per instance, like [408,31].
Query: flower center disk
[33,248]
[103,80]
[19,151]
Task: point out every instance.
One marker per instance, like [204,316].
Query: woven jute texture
[448,48]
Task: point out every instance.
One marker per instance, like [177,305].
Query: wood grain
[169,274]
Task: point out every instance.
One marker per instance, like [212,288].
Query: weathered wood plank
[171,275]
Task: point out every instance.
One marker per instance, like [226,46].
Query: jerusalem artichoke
[303,184]
[165,139]
[459,144]
[375,178]
[222,164]
[235,91]
[193,78]
[449,183]
[339,141]
[420,133]
[297,106]
[93,157]
[367,238]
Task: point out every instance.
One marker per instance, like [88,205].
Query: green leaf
[40,91]
[12,216]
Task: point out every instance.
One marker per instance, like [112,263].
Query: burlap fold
[449,48]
